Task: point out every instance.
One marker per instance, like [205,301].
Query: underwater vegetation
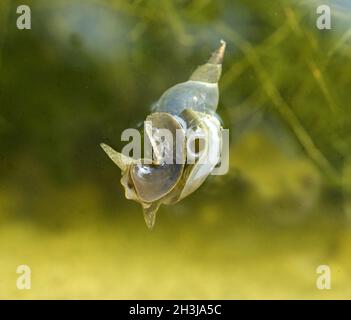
[89,69]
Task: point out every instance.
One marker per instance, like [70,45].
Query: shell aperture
[185,136]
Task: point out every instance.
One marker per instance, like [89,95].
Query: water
[87,71]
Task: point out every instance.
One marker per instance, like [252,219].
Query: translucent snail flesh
[186,107]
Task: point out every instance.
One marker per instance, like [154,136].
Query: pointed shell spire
[211,71]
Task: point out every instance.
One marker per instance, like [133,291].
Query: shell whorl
[200,92]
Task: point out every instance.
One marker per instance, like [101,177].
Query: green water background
[89,69]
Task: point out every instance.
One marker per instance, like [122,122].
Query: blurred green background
[89,69]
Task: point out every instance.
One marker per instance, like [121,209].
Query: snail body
[178,167]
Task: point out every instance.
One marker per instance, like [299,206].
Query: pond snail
[187,107]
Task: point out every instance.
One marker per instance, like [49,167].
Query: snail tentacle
[122,161]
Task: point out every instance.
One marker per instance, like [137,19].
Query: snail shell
[186,107]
